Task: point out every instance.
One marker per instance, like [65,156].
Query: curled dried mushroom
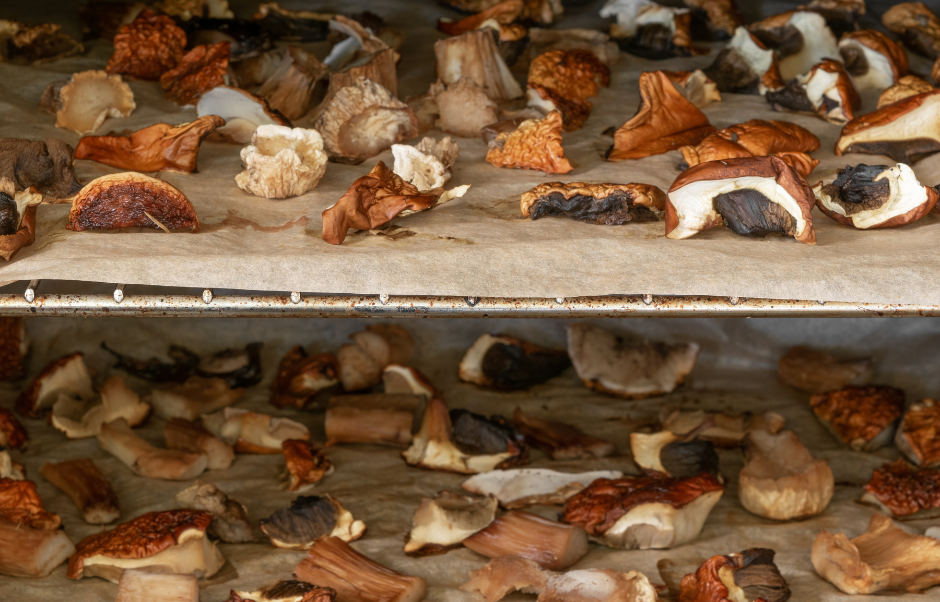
[917,26]
[520,487]
[826,90]
[874,60]
[909,85]
[131,200]
[83,482]
[21,505]
[148,47]
[67,374]
[242,111]
[602,204]
[816,372]
[89,98]
[548,543]
[474,55]
[290,87]
[534,144]
[903,491]
[575,74]
[757,138]
[282,162]
[80,417]
[43,165]
[864,418]
[508,363]
[559,440]
[750,576]
[252,432]
[745,66]
[194,398]
[306,463]
[906,131]
[198,71]
[918,435]
[800,39]
[428,164]
[300,377]
[442,523]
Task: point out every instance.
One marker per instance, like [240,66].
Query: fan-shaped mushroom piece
[816,372]
[155,148]
[664,121]
[550,544]
[43,165]
[290,88]
[173,541]
[129,200]
[664,453]
[873,60]
[719,18]
[864,418]
[650,30]
[918,435]
[426,165]
[195,397]
[750,576]
[139,585]
[906,131]
[67,374]
[80,417]
[441,523]
[229,518]
[509,363]
[474,55]
[559,440]
[909,85]
[286,591]
[826,91]
[251,432]
[534,144]
[28,552]
[884,558]
[722,430]
[520,487]
[86,487]
[384,419]
[89,98]
[801,39]
[119,440]
[602,204]
[841,15]
[575,74]
[607,363]
[301,377]
[917,25]
[306,464]
[183,435]
[21,505]
[148,47]
[753,196]
[757,138]
[12,433]
[282,162]
[904,492]
[198,71]
[644,512]
[242,111]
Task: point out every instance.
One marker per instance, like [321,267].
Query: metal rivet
[471,301]
[119,293]
[559,300]
[295,297]
[733,300]
[648,299]
[30,293]
[383,298]
[821,302]
[207,296]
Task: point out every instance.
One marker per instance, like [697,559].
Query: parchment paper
[735,372]
[479,245]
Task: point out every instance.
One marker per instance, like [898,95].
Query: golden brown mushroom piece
[574,112]
[757,138]
[919,434]
[290,88]
[601,204]
[745,66]
[194,398]
[534,144]
[750,576]
[441,523]
[147,48]
[17,230]
[826,90]
[300,377]
[917,25]
[864,418]
[198,71]
[23,44]
[559,440]
[21,505]
[306,463]
[89,98]
[83,482]
[907,131]
[129,200]
[903,491]
[909,85]
[503,13]
[575,74]
[718,18]
[28,552]
[650,30]
[815,372]
[874,60]
[12,433]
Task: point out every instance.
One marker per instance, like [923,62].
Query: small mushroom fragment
[718,18]
[306,463]
[664,121]
[745,66]
[918,436]
[195,397]
[826,90]
[290,88]
[119,440]
[464,108]
[309,519]
[917,26]
[476,434]
[160,147]
[173,541]
[665,454]
[12,433]
[800,39]
[293,25]
[909,85]
[575,74]
[129,200]
[89,98]
[506,574]
[757,138]
[383,419]
[229,518]
[67,374]
[534,144]
[520,487]
[864,418]
[198,71]
[148,47]
[722,430]
[87,487]
[35,44]
[841,15]
[816,372]
[574,112]
[240,368]
[873,59]
[372,57]
[903,491]
[749,576]
[332,563]
[136,586]
[10,469]
[906,131]
[885,558]
[781,479]
[607,363]
[286,591]
[183,435]
[650,30]
[428,164]
[644,512]
[404,379]
[187,9]
[43,165]
[183,363]
[601,204]
[875,196]
[362,362]
[503,13]
[559,440]
[21,505]
[28,552]
[251,432]
[242,111]
[17,230]
[282,162]
[509,363]
[442,523]
[79,417]
[474,55]
[300,377]
[753,196]
[550,544]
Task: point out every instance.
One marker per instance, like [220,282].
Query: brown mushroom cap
[757,138]
[198,71]
[875,41]
[905,491]
[909,85]
[534,144]
[12,433]
[917,25]
[860,417]
[917,435]
[89,98]
[906,131]
[749,575]
[123,200]
[575,74]
[148,47]
[723,16]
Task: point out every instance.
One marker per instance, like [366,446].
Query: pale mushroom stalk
[550,544]
[385,419]
[119,440]
[87,487]
[192,437]
[28,552]
[444,521]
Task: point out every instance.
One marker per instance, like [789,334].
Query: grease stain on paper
[235,222]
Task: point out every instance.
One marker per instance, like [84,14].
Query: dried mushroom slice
[89,98]
[428,164]
[650,30]
[292,25]
[160,147]
[182,365]
[666,454]
[187,9]
[300,377]
[198,71]
[79,417]
[750,576]
[173,541]
[917,25]
[757,138]
[864,418]
[131,200]
[601,204]
[148,47]
[664,121]
[35,44]
[575,74]
[246,37]
[136,585]
[503,13]
[885,558]
[644,512]
[903,491]
[133,451]
[841,15]
[27,552]
[83,483]
[67,374]
[229,518]
[827,91]
[548,543]
[309,519]
[753,196]
[745,66]
[242,111]
[290,87]
[520,487]
[195,397]
[875,196]
[252,432]
[373,349]
[543,40]
[698,88]
[286,591]
[474,55]
[464,108]
[574,112]
[43,165]
[383,419]
[534,144]
[12,433]
[816,372]
[443,522]
[607,363]
[907,131]
[720,429]
[909,85]
[873,59]
[306,464]
[918,436]
[183,435]
[508,363]
[239,367]
[559,440]
[282,162]
[800,39]
[718,19]
[21,505]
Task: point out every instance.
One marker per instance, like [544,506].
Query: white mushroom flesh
[906,194]
[818,43]
[919,123]
[880,74]
[282,162]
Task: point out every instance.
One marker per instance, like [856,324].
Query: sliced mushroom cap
[548,543]
[602,204]
[753,196]
[286,591]
[909,85]
[464,108]
[474,55]
[229,518]
[801,39]
[198,71]
[182,365]
[384,419]
[903,491]
[83,482]
[252,432]
[745,66]
[906,131]
[82,417]
[149,46]
[827,91]
[27,552]
[559,440]
[864,418]
[917,26]
[242,111]
[442,523]
[534,144]
[67,374]
[816,372]
[575,74]
[89,98]
[508,363]
[873,60]
[119,440]
[757,138]
[520,487]
[749,575]
[426,165]
[282,162]
[131,200]
[666,454]
[875,196]
[301,377]
[917,435]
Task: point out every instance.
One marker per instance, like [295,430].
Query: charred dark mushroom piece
[601,204]
[182,365]
[664,453]
[748,576]
[826,90]
[308,519]
[800,39]
[559,440]
[714,19]
[745,66]
[650,30]
[246,38]
[239,368]
[290,25]
[508,363]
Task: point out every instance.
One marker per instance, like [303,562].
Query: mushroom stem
[192,437]
[145,586]
[551,544]
[27,552]
[559,440]
[119,440]
[87,487]
[382,419]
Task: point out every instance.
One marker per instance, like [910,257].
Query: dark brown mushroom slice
[601,204]
[9,215]
[841,15]
[738,67]
[509,363]
[308,519]
[749,212]
[45,165]
[713,20]
[683,459]
[906,130]
[476,435]
[560,440]
[183,363]
[753,576]
[294,26]
[246,37]
[240,368]
[855,188]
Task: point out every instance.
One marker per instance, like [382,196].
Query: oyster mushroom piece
[575,74]
[606,363]
[67,374]
[383,419]
[43,165]
[442,523]
[86,487]
[173,541]
[909,85]
[229,518]
[509,363]
[464,108]
[332,563]
[863,418]
[474,55]
[753,196]
[722,430]
[664,453]
[904,492]
[644,512]
[20,504]
[306,464]
[875,196]
[719,18]
[12,433]
[28,552]
[148,47]
[17,230]
[559,440]
[192,437]
[404,379]
[906,131]
[309,519]
[600,204]
[757,138]
[301,377]
[79,417]
[290,88]
[427,165]
[286,591]
[745,66]
[137,586]
[826,90]
[129,200]
[884,558]
[916,25]
[917,435]
[160,147]
[550,544]
[534,144]
[749,575]
[198,71]
[664,121]
[873,60]
[251,432]
[781,480]
[182,365]
[520,487]
[120,441]
[242,111]
[815,372]
[89,98]
[282,162]
[195,397]
[801,39]
[35,44]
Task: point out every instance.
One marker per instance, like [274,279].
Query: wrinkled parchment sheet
[479,245]
[736,371]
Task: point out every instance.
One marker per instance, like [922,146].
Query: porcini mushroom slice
[282,162]
[87,487]
[332,563]
[722,430]
[46,166]
[574,74]
[748,576]
[239,367]
[601,204]
[864,418]
[173,541]
[506,574]
[826,90]
[17,230]
[90,98]
[917,26]
[644,512]
[476,434]
[290,88]
[182,365]
[552,545]
[559,440]
[129,200]
[904,492]
[906,131]
[664,453]
[385,419]
[695,86]
[442,523]
[534,144]
[875,196]
[404,379]
[199,70]
[800,38]
[306,463]
[251,432]
[428,164]
[229,518]
[781,479]
[301,377]
[119,440]
[606,363]
[195,397]
[753,196]
[917,434]
[309,519]
[813,371]
[508,363]
[67,374]
[745,66]
[474,55]
[874,60]
[192,437]
[650,30]
[149,46]
[362,362]
[28,552]
[520,487]
[757,138]
[885,558]
[286,591]
[79,418]
[136,586]
[155,148]
[909,85]
[12,433]
[242,111]
[20,504]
